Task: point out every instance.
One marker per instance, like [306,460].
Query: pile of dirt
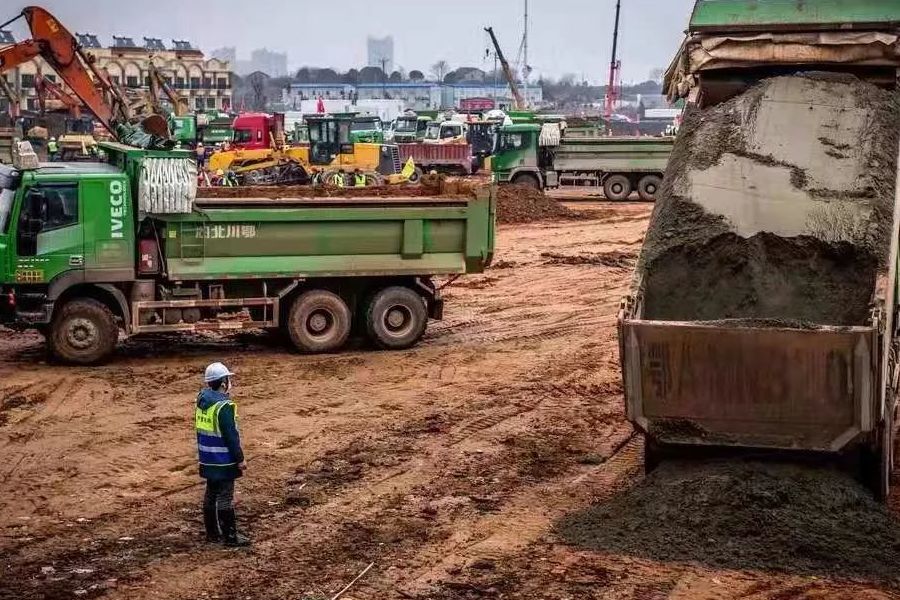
[307,191]
[747,516]
[767,212]
[524,204]
[763,277]
[615,259]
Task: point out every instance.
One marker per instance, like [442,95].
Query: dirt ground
[450,466]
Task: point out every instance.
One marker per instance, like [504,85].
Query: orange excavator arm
[56,45]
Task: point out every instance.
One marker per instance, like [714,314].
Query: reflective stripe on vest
[211,446]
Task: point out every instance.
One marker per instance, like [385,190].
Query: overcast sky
[567,36]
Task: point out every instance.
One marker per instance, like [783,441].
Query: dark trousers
[219,495]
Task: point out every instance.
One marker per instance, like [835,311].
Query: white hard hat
[215,372]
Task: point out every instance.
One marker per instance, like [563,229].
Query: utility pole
[525,68]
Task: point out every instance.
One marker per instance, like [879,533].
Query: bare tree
[440,69]
[257,82]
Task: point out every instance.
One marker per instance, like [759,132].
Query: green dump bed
[613,154]
[330,237]
[795,15]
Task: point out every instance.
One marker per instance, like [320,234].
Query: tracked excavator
[52,42]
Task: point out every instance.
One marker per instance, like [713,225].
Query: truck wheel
[83,332]
[528,180]
[617,188]
[318,321]
[416,177]
[396,318]
[648,186]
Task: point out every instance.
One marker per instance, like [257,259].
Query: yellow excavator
[259,154]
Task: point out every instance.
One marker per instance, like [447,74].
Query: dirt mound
[307,191]
[768,277]
[776,204]
[747,516]
[523,204]
[616,259]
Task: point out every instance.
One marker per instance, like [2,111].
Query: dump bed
[438,155]
[330,237]
[613,154]
[761,311]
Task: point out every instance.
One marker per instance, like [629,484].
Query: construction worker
[220,455]
[200,150]
[359,179]
[53,149]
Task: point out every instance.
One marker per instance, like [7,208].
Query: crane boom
[507,72]
[58,47]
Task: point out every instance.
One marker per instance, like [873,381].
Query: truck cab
[252,130]
[367,129]
[62,225]
[517,155]
[409,129]
[445,132]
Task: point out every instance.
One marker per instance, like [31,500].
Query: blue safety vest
[211,446]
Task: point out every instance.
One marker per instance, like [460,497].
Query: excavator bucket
[156,125]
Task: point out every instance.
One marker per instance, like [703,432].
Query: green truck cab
[540,156]
[92,250]
[366,130]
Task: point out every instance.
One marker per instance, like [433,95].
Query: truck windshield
[365,126]
[405,125]
[451,132]
[243,136]
[510,141]
[6,202]
[433,132]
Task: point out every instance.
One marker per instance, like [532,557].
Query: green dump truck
[540,157]
[91,250]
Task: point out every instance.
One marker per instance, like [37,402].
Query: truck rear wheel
[528,180]
[417,175]
[319,321]
[83,332]
[396,318]
[648,187]
[617,188]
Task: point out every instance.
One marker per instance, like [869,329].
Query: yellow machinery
[260,156]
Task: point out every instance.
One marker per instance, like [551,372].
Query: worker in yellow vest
[220,454]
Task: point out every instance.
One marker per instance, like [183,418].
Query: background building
[423,95]
[206,83]
[381,53]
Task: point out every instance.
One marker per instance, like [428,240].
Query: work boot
[211,522]
[229,530]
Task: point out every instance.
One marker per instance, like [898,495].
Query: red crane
[614,85]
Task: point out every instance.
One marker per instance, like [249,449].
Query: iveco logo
[117,209]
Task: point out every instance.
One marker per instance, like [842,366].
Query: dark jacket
[230,436]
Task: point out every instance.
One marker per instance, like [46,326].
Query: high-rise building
[381,53]
[273,64]
[226,53]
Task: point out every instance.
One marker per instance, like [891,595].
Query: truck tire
[648,187]
[528,180]
[319,321]
[396,318]
[416,177]
[617,188]
[83,332]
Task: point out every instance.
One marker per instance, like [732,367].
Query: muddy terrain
[476,465]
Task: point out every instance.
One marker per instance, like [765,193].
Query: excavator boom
[507,72]
[58,47]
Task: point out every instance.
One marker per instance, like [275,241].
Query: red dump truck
[443,158]
[762,315]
